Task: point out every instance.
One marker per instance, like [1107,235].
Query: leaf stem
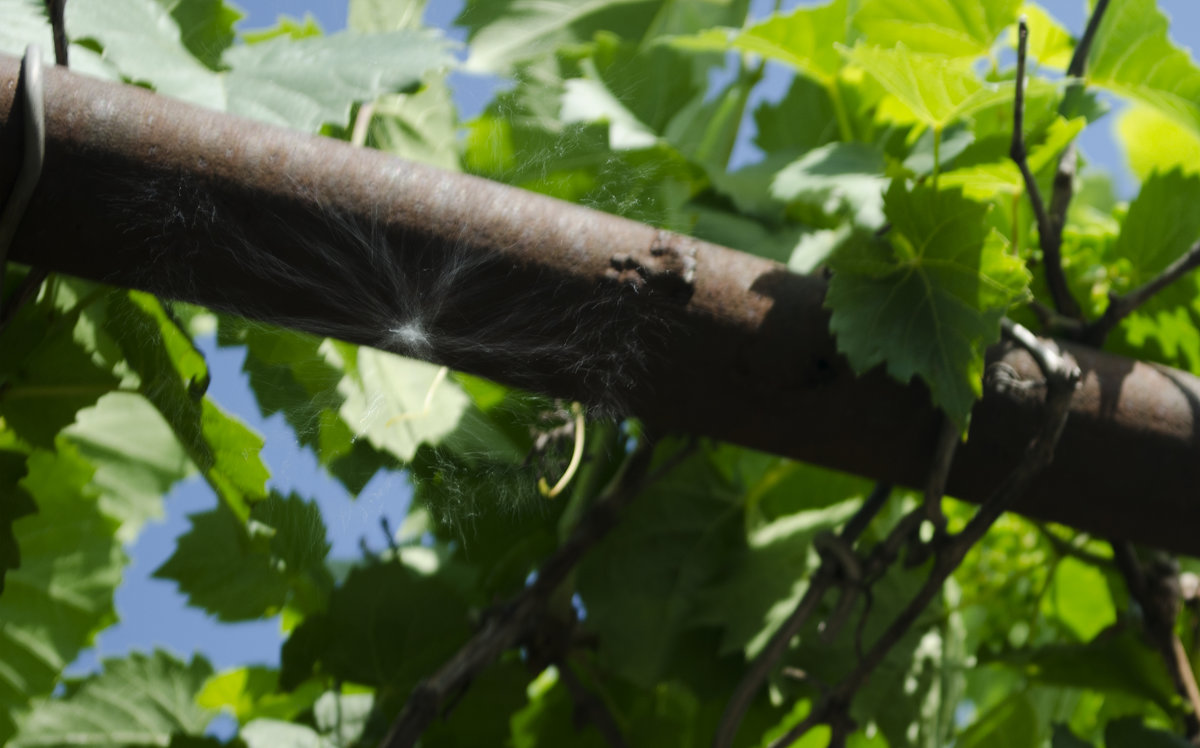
[1049,232]
[1120,307]
[845,130]
[1062,378]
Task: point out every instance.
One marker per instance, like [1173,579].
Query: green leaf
[295,83]
[1012,722]
[385,15]
[239,571]
[958,28]
[839,178]
[1133,55]
[482,716]
[1049,42]
[1118,661]
[1160,226]
[1064,738]
[386,626]
[1129,732]
[303,84]
[1080,599]
[138,700]
[421,126]
[253,692]
[26,22]
[62,594]
[927,300]
[803,119]
[642,584]
[931,89]
[273,733]
[46,375]
[174,376]
[761,586]
[505,33]
[206,27]
[136,455]
[1155,141]
[521,141]
[398,403]
[805,39]
[15,503]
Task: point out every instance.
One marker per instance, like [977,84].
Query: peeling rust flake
[664,269]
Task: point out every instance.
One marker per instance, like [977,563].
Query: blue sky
[154,614]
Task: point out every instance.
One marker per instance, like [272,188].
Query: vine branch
[517,619]
[1120,307]
[1159,597]
[1062,377]
[824,578]
[1049,223]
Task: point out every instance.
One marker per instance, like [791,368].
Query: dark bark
[703,339]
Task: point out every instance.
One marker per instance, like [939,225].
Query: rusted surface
[718,343]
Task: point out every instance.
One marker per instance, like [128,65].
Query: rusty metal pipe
[719,343]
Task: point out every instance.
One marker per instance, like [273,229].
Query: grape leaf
[673,542]
[385,15]
[62,594]
[1133,55]
[838,178]
[761,586]
[1049,42]
[26,22]
[294,83]
[253,692]
[137,457]
[138,700]
[15,503]
[1011,722]
[803,39]
[1154,141]
[1080,599]
[958,28]
[928,299]
[397,403]
[1129,732]
[46,375]
[1161,225]
[174,377]
[241,571]
[504,33]
[931,89]
[386,625]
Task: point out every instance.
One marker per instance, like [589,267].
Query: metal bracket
[34,152]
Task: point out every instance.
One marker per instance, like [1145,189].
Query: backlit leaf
[933,89]
[966,28]
[138,700]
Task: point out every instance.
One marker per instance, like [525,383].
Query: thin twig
[1120,307]
[518,618]
[1062,378]
[822,580]
[57,11]
[1065,548]
[1084,47]
[1050,234]
[1063,189]
[939,472]
[1160,602]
